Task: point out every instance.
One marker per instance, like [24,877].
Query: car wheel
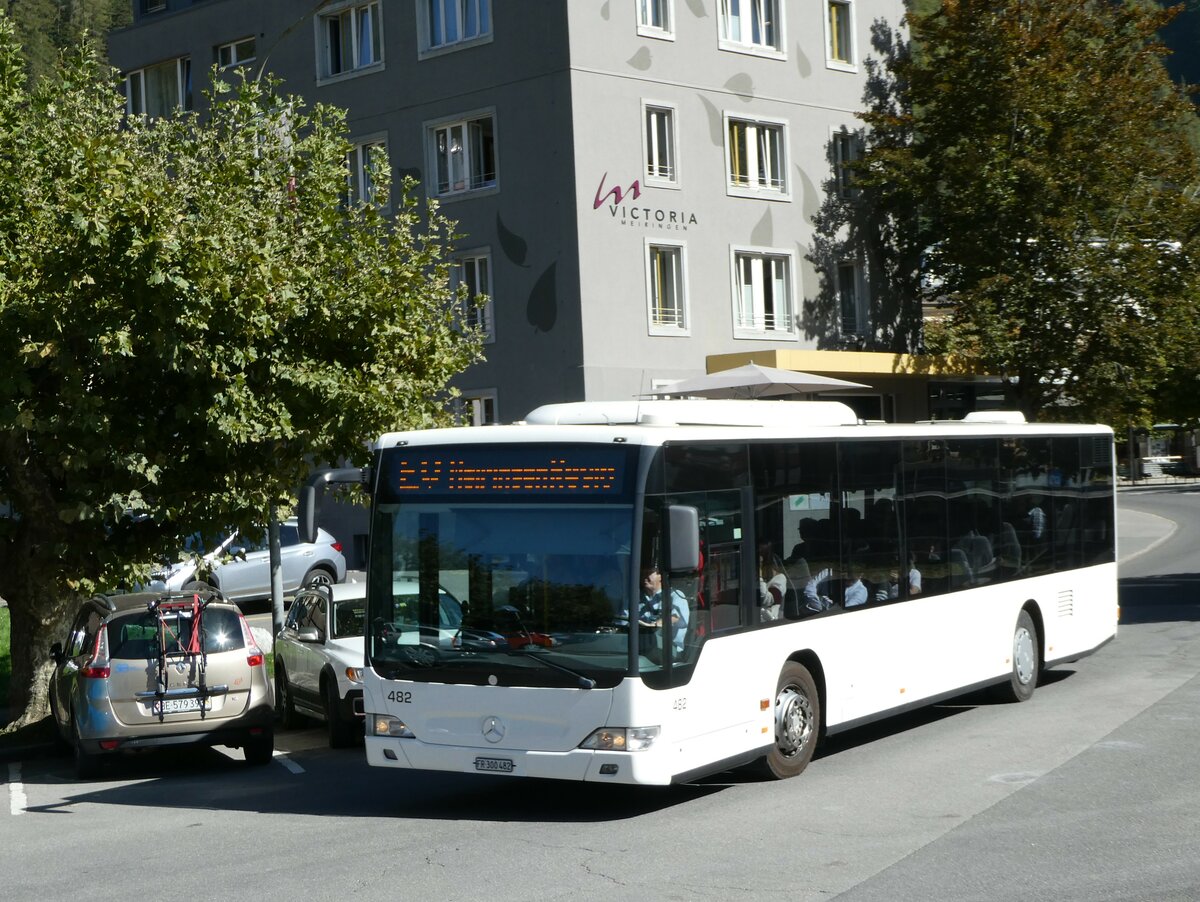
[318,576]
[285,705]
[341,731]
[797,723]
[87,764]
[260,748]
[1026,661]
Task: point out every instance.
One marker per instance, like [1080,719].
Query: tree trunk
[38,617]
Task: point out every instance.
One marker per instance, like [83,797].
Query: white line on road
[16,789]
[288,763]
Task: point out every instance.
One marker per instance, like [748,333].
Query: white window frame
[183,88]
[358,65]
[757,325]
[847,147]
[357,174]
[651,146]
[656,327]
[426,9]
[433,156]
[858,284]
[486,314]
[847,40]
[478,407]
[644,10]
[732,15]
[234,59]
[755,186]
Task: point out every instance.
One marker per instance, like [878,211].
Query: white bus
[819,573]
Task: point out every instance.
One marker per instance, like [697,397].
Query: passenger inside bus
[772,584]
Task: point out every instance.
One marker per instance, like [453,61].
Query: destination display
[478,470]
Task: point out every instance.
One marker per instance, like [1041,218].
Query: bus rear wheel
[1026,661]
[797,723]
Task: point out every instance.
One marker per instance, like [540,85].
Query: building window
[850,298]
[660,146]
[756,154]
[654,18]
[478,408]
[351,39]
[161,89]
[667,289]
[364,160]
[846,150]
[762,292]
[754,25]
[475,272]
[465,155]
[236,53]
[839,33]
[152,6]
[446,23]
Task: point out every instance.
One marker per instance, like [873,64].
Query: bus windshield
[529,594]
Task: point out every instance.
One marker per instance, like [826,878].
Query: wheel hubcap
[793,721]
[1023,655]
[320,579]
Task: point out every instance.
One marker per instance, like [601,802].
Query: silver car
[145,670]
[241,568]
[319,660]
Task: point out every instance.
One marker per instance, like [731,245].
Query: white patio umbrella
[754,381]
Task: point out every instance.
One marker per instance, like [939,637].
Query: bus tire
[1026,661]
[797,723]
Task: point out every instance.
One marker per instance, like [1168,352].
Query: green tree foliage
[1035,153]
[191,313]
[45,28]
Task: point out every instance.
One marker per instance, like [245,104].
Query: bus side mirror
[306,514]
[684,526]
[306,510]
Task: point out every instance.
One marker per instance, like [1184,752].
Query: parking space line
[17,800]
[288,763]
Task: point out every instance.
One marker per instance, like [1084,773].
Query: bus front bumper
[576,764]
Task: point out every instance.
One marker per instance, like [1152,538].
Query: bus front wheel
[1026,661]
[797,723]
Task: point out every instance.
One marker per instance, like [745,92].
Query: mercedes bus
[650,592]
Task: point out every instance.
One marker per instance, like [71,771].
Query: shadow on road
[1160,599]
[206,779]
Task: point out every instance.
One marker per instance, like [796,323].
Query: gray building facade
[635,180]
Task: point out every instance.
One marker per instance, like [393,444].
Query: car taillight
[254,654]
[98,668]
[337,546]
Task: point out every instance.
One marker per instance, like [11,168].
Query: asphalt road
[1089,791]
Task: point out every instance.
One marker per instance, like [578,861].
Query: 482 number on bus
[403,698]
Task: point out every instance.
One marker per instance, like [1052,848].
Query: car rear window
[135,636]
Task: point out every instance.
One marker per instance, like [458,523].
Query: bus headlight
[386,725]
[621,739]
[354,674]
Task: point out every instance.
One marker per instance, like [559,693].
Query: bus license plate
[501,765]
[177,705]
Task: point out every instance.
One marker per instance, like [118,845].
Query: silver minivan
[147,670]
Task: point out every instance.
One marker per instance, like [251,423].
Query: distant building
[635,179]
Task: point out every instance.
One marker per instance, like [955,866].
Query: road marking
[16,789]
[288,763]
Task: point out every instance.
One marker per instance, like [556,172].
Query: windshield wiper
[530,651]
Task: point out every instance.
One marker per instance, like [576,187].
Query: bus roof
[657,422]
